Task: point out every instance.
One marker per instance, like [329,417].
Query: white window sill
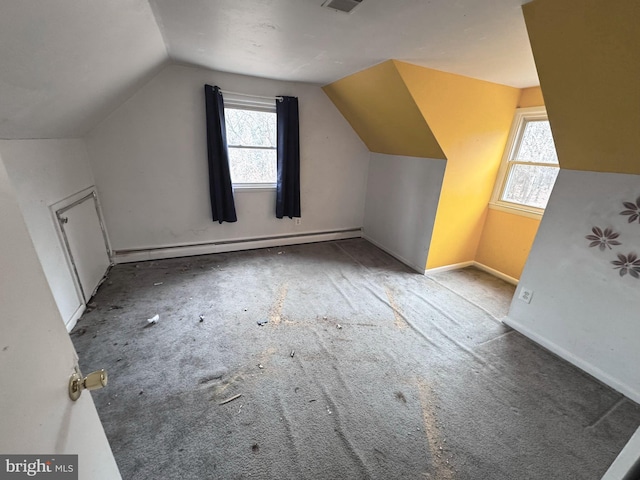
[254,187]
[515,209]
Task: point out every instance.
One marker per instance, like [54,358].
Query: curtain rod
[279,99]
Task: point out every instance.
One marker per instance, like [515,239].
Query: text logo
[49,467]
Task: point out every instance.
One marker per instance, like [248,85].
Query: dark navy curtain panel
[223,207]
[288,186]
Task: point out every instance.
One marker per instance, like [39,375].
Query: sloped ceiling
[65,64]
[587,53]
[381,110]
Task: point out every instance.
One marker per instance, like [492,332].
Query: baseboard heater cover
[173,251]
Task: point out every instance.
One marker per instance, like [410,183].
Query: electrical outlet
[525,295]
[298,221]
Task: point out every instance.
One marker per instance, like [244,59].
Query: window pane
[253,166]
[530,185]
[250,127]
[537,143]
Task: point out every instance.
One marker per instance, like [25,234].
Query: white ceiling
[299,40]
[65,64]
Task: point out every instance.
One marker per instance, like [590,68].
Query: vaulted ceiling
[65,64]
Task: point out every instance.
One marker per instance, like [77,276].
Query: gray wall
[402,199]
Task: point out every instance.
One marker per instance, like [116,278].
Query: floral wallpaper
[628,263]
[633,210]
[603,239]
[606,239]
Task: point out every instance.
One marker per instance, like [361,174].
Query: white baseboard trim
[447,268]
[582,364]
[174,251]
[496,273]
[478,265]
[417,268]
[71,322]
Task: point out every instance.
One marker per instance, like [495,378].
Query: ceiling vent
[342,5]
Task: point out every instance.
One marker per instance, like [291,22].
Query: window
[529,165]
[251,139]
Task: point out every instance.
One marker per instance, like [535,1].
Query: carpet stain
[400,397]
[265,355]
[442,469]
[275,314]
[397,313]
[219,389]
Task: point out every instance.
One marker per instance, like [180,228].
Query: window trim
[515,135]
[244,103]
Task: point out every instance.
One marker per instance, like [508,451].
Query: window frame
[259,105]
[520,118]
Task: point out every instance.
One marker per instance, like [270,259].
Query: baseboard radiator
[187,250]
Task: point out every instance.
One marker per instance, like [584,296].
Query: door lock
[93,381]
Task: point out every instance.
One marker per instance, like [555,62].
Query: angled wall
[584,305]
[380,108]
[401,109]
[470,118]
[406,165]
[586,53]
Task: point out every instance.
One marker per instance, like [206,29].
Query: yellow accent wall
[506,241]
[470,119]
[591,83]
[507,238]
[402,109]
[531,97]
[380,109]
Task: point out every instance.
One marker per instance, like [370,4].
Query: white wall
[44,172]
[627,462]
[149,159]
[581,308]
[36,359]
[401,203]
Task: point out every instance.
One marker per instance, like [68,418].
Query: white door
[86,242]
[36,359]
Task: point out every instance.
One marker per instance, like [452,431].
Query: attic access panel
[342,5]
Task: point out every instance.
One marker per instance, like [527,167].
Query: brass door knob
[93,381]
